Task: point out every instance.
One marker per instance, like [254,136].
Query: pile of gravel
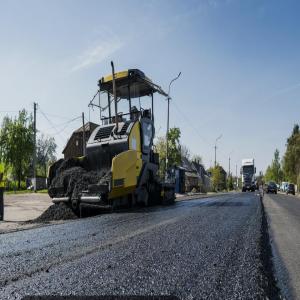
[56,212]
[73,176]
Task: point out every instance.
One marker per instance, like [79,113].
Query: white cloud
[97,54]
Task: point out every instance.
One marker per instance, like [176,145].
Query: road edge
[268,282]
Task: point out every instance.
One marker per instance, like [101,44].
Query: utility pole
[168,116]
[215,155]
[83,135]
[229,162]
[34,146]
[236,176]
[216,149]
[167,136]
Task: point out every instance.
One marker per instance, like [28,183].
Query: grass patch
[25,192]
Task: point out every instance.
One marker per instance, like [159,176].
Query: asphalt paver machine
[120,167]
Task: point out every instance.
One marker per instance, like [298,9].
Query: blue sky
[239,62]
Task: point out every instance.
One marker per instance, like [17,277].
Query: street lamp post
[168,116]
[216,149]
[229,163]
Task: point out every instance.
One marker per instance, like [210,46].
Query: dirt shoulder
[19,208]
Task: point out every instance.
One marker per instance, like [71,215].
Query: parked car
[290,189]
[271,187]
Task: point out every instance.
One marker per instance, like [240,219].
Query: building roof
[187,165]
[199,168]
[89,126]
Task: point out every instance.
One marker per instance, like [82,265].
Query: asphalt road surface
[197,249]
[283,213]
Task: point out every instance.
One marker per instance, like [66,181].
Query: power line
[63,129]
[188,122]
[9,111]
[56,116]
[50,122]
[65,124]
[181,113]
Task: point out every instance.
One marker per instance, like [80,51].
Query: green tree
[174,155]
[45,153]
[217,178]
[274,171]
[230,183]
[291,159]
[160,147]
[16,144]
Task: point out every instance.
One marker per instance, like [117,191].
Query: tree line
[287,168]
[17,148]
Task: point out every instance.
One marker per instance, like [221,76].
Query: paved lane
[208,248]
[284,219]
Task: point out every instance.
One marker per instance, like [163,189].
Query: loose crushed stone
[54,213]
[73,177]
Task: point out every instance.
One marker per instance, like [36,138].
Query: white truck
[248,171]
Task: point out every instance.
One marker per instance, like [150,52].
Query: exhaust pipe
[115,95]
[61,199]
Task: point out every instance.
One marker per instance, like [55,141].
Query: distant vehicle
[271,187]
[248,175]
[284,186]
[290,189]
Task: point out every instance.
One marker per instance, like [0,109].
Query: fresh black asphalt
[197,249]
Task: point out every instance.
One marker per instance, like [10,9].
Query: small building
[224,178]
[204,178]
[191,175]
[74,146]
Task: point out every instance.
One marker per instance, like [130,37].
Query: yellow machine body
[127,166]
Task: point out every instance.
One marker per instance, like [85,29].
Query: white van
[284,186]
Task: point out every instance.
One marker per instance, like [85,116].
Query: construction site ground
[21,208]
